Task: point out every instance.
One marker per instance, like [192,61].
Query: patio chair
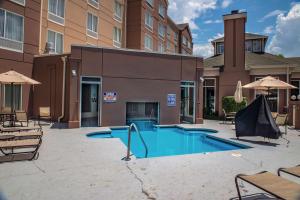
[282,120]
[274,185]
[44,114]
[21,117]
[8,149]
[293,171]
[274,115]
[228,116]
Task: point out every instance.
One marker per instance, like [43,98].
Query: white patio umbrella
[14,78]
[238,96]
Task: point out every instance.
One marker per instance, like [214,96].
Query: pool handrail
[132,125]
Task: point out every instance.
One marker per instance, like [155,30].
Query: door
[89,104]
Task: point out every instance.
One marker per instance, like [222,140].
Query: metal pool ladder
[132,125]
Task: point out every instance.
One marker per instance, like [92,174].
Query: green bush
[229,104]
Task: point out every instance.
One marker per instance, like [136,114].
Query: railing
[132,125]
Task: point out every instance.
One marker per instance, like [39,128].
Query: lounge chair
[19,129]
[274,185]
[282,120]
[228,116]
[23,134]
[21,117]
[294,171]
[7,148]
[44,114]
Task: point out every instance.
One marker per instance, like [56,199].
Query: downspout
[41,20]
[125,25]
[63,90]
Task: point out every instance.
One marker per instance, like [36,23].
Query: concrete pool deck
[73,166]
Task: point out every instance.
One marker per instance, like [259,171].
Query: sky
[278,19]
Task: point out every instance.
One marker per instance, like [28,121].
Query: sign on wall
[109,97]
[171,99]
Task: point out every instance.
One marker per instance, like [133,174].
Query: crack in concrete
[144,191]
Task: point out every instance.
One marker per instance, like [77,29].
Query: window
[184,40]
[189,44]
[148,20]
[248,46]
[56,39]
[21,2]
[17,90]
[148,42]
[168,45]
[117,37]
[11,31]
[150,2]
[209,87]
[94,3]
[295,92]
[161,10]
[56,11]
[92,25]
[118,11]
[175,37]
[256,46]
[161,47]
[220,48]
[161,30]
[168,32]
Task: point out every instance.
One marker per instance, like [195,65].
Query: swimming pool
[171,141]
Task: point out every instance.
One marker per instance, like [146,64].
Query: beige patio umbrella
[268,83]
[14,78]
[238,96]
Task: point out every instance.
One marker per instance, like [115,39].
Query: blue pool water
[171,141]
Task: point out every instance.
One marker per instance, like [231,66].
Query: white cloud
[195,35]
[269,30]
[217,21]
[226,3]
[274,13]
[203,50]
[182,11]
[206,50]
[286,39]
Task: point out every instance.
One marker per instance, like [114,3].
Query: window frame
[150,4]
[94,3]
[51,13]
[116,17]
[150,37]
[208,86]
[161,10]
[23,32]
[164,32]
[62,45]
[259,46]
[218,46]
[161,44]
[298,88]
[17,2]
[150,28]
[116,43]
[87,26]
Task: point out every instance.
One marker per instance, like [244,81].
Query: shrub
[229,104]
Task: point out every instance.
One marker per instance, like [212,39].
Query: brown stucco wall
[48,71]
[134,76]
[22,62]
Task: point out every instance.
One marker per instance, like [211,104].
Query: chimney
[234,40]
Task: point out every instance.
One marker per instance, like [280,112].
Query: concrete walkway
[72,166]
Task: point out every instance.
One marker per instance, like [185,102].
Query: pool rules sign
[171,99]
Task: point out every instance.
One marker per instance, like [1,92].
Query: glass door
[187,108]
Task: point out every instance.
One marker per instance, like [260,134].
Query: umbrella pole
[12,98]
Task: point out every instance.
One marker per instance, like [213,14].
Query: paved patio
[72,166]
